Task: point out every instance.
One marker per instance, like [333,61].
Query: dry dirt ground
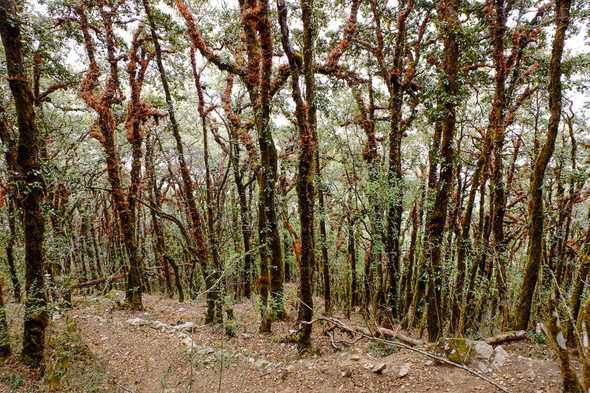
[105,349]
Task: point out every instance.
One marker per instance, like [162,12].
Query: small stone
[206,351]
[429,363]
[158,325]
[483,350]
[355,357]
[185,327]
[188,342]
[137,322]
[247,335]
[403,370]
[500,357]
[378,369]
[346,373]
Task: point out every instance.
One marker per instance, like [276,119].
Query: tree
[535,201]
[30,183]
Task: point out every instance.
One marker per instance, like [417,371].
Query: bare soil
[105,353]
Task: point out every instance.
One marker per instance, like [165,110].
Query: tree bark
[29,173]
[535,203]
[202,251]
[305,113]
[448,12]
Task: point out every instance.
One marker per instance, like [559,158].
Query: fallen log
[506,337]
[98,281]
[390,335]
[366,333]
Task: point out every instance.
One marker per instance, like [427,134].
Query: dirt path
[141,358]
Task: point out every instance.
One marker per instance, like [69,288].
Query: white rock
[500,357]
[187,327]
[188,341]
[403,370]
[206,351]
[483,350]
[378,368]
[158,325]
[137,322]
[355,357]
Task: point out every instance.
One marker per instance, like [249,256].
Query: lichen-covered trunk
[462,294]
[217,273]
[245,216]
[16,289]
[268,155]
[160,251]
[305,113]
[4,336]
[196,220]
[29,173]
[323,237]
[435,227]
[352,259]
[497,131]
[535,203]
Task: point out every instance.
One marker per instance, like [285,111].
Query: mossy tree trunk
[31,186]
[535,202]
[450,28]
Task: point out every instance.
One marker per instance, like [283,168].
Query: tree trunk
[4,335]
[202,252]
[217,273]
[535,204]
[436,225]
[29,173]
[16,291]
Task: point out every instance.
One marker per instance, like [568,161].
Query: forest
[295,195]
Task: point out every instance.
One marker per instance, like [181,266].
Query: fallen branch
[98,281]
[506,337]
[393,341]
[391,335]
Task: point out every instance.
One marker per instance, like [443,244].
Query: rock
[158,325]
[185,327]
[206,351]
[346,373]
[137,322]
[464,351]
[403,370]
[188,342]
[481,350]
[500,357]
[378,369]
[355,357]
[457,350]
[429,363]
[247,335]
[308,364]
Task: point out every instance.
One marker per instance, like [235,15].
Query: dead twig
[392,341]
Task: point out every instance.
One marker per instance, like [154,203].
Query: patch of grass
[70,365]
[14,381]
[538,338]
[231,328]
[380,350]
